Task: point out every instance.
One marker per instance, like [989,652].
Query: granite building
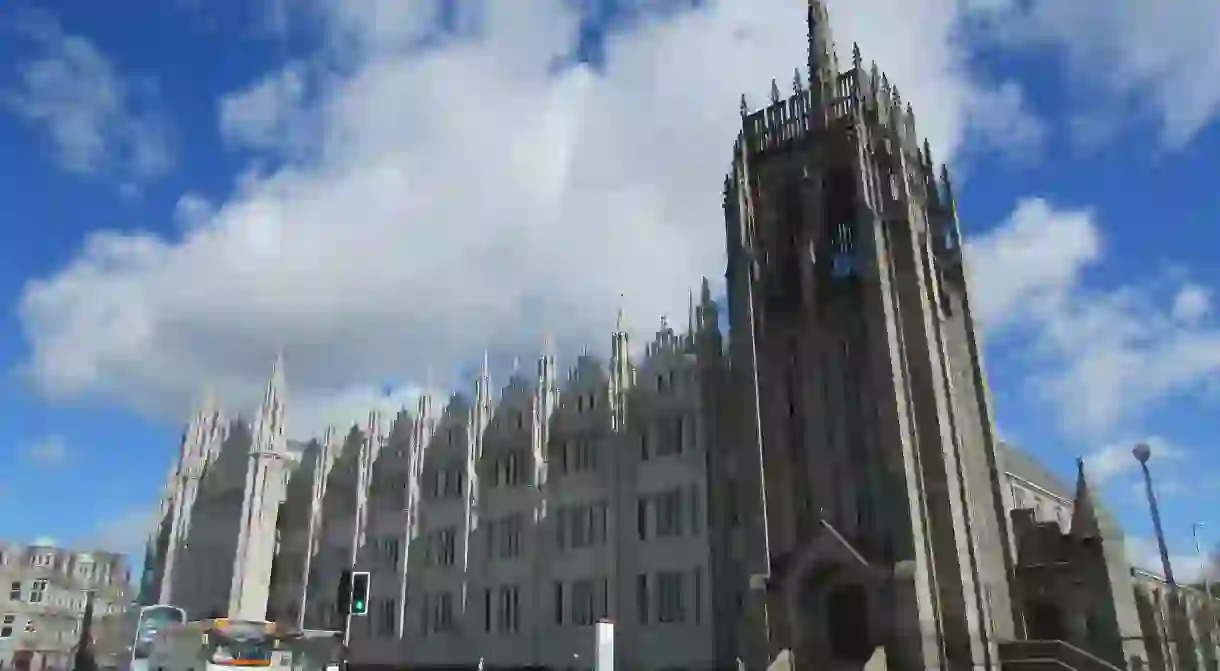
[44,602]
[822,482]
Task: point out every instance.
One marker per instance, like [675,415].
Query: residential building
[45,595]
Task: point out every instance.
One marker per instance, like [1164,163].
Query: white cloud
[1157,58]
[1100,356]
[44,541]
[95,119]
[48,452]
[1143,552]
[267,115]
[461,195]
[1116,459]
[1192,303]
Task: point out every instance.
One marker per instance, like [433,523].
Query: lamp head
[1142,453]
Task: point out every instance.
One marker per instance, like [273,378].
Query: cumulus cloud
[1099,355]
[1114,460]
[460,189]
[1122,60]
[48,452]
[95,118]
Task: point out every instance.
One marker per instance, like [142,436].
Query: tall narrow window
[698,594]
[641,517]
[641,597]
[487,610]
[695,511]
[558,602]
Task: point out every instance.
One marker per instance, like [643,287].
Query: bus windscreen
[241,644]
[152,620]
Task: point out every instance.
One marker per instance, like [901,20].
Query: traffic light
[360,593]
[353,596]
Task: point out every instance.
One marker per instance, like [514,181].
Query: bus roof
[224,624]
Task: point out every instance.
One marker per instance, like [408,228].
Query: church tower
[855,351]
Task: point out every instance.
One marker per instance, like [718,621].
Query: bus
[122,641]
[221,644]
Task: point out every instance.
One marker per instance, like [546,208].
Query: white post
[604,658]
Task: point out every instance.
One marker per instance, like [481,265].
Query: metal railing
[1061,652]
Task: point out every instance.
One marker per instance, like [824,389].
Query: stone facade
[212,551]
[824,486]
[44,599]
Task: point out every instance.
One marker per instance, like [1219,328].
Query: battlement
[857,97]
[790,120]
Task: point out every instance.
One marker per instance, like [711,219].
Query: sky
[385,190]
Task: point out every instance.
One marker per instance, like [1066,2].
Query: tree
[84,648]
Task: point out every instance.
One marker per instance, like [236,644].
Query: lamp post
[1142,454]
[1209,611]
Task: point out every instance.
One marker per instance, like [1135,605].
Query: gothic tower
[855,350]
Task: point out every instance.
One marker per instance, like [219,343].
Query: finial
[664,323]
[618,319]
[897,97]
[690,311]
[796,82]
[484,372]
[774,92]
[856,59]
[705,292]
[745,109]
[885,82]
[927,152]
[875,74]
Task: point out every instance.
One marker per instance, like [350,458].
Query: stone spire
[1084,516]
[823,64]
[620,374]
[271,414]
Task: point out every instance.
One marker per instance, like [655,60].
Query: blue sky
[386,189]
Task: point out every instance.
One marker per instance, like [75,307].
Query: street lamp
[1142,454]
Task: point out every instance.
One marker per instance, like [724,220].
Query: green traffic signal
[360,593]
